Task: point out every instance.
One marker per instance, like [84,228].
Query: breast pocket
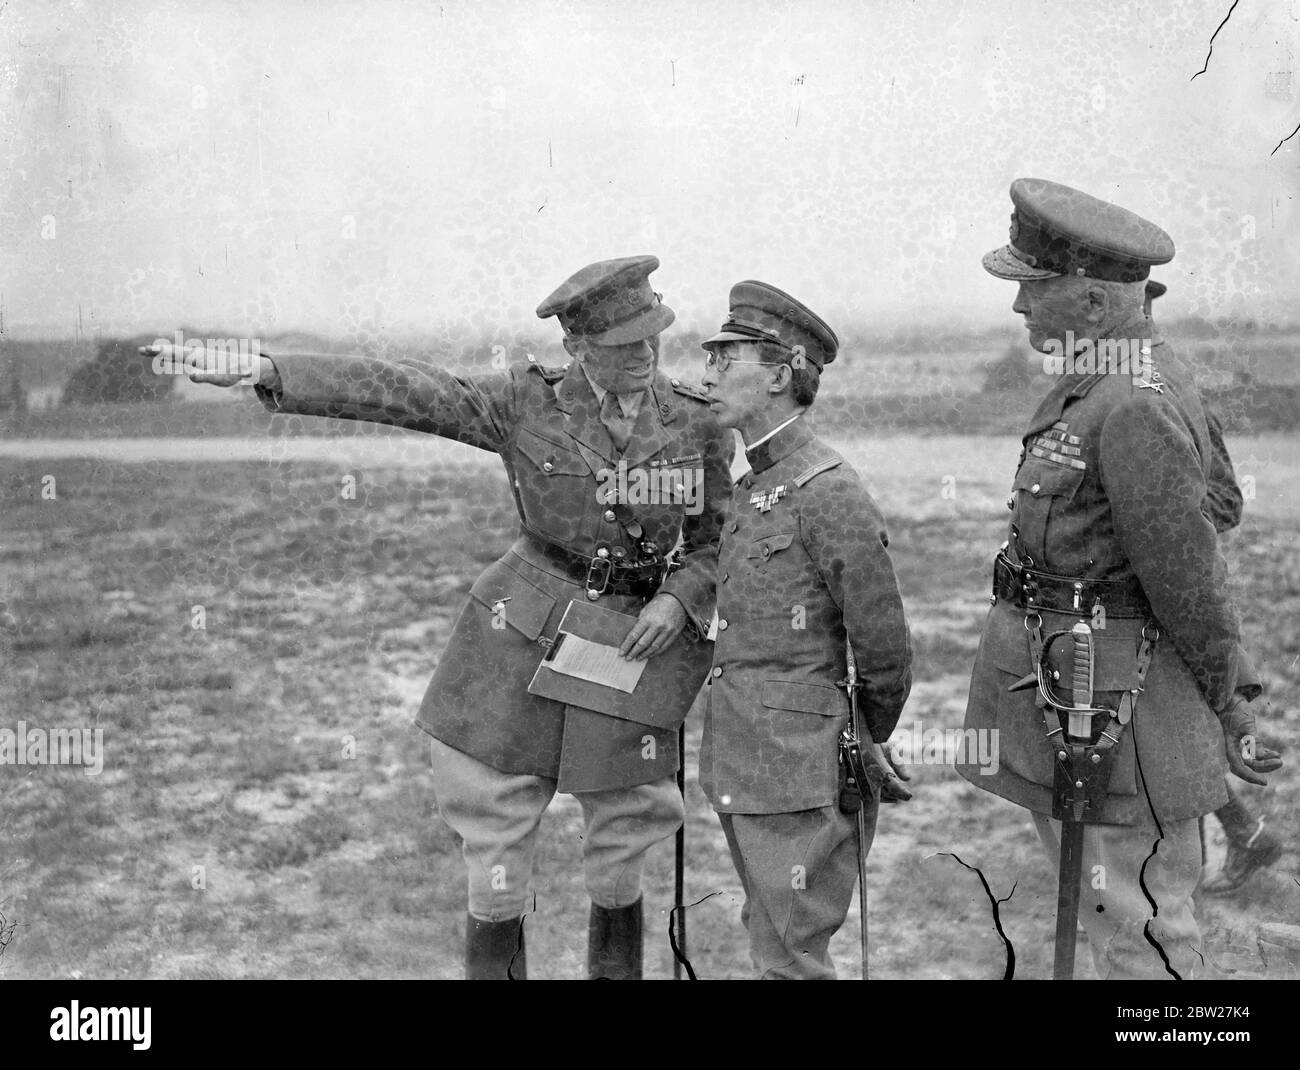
[761,551]
[1043,494]
[555,485]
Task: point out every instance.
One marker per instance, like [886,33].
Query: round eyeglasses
[723,361]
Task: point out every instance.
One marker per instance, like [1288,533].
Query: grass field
[265,807]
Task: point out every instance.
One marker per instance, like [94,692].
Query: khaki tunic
[545,424]
[1112,485]
[803,563]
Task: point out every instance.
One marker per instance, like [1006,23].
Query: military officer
[1250,845]
[564,434]
[1108,529]
[802,565]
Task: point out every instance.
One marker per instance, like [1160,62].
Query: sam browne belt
[603,573]
[1028,588]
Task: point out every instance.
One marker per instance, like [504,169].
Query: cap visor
[729,336]
[645,325]
[1006,265]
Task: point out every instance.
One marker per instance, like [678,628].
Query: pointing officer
[1111,591]
[802,566]
[500,753]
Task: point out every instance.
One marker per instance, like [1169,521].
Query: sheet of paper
[596,663]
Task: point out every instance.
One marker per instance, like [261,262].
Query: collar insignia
[1153,382]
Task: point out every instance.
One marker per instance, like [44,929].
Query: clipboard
[665,686]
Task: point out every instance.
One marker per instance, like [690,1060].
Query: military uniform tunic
[1112,485]
[803,563]
[545,424]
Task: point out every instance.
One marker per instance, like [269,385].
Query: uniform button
[593,595]
[767,552]
[726,576]
[548,467]
[1011,502]
[717,672]
[722,625]
[735,524]
[610,517]
[1035,488]
[675,382]
[602,552]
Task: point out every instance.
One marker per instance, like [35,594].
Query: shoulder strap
[817,469]
[687,390]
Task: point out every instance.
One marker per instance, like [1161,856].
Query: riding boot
[494,950]
[614,943]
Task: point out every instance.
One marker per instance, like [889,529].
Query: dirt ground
[265,806]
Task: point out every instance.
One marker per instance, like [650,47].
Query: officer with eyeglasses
[802,566]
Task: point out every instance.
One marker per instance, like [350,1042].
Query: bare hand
[204,365]
[658,624]
[892,789]
[1247,757]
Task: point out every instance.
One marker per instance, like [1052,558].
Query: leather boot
[494,950]
[614,943]
[1239,824]
[1244,858]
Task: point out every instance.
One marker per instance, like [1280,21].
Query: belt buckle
[593,569]
[1028,588]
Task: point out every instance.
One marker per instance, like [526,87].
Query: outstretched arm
[478,410]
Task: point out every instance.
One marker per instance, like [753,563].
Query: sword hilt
[1080,726]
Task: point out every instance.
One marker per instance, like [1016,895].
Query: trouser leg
[621,825]
[798,871]
[1122,866]
[496,815]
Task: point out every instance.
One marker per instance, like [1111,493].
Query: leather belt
[602,574]
[1029,588]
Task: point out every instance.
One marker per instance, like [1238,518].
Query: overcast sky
[354,168]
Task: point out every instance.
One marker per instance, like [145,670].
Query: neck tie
[618,425]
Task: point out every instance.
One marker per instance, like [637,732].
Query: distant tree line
[117,373]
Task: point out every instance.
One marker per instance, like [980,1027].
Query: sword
[855,768]
[1078,730]
[679,861]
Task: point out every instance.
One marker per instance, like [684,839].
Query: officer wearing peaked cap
[499,752]
[1108,531]
[803,565]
